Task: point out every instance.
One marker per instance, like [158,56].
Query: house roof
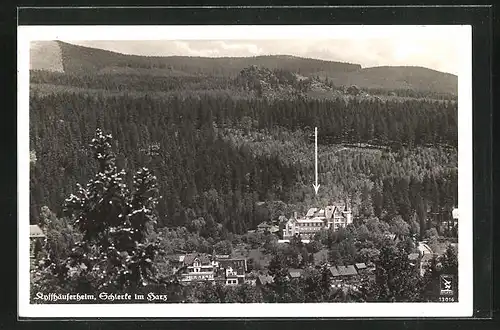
[343,271]
[311,220]
[295,273]
[36,231]
[190,258]
[390,236]
[263,225]
[274,229]
[265,279]
[347,270]
[360,265]
[413,256]
[334,271]
[174,258]
[238,265]
[351,270]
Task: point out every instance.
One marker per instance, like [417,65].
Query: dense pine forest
[224,162]
[190,144]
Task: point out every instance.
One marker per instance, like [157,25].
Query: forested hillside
[90,61]
[136,159]
[206,168]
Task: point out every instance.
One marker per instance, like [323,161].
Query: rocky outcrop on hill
[277,83]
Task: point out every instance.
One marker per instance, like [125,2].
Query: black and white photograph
[259,171]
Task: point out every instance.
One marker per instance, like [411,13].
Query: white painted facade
[315,220]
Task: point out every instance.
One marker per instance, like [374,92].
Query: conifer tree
[114,252]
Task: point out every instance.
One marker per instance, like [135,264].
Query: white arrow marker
[316,184]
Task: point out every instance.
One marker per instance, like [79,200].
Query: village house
[295,273]
[342,274]
[264,280]
[234,270]
[220,268]
[196,267]
[332,216]
[263,227]
[421,259]
[361,268]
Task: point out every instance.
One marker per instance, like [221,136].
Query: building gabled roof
[36,231]
[263,225]
[426,258]
[265,279]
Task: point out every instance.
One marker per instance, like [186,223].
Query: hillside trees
[396,278]
[202,164]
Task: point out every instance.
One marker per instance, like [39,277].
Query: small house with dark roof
[295,273]
[234,270]
[361,267]
[263,227]
[196,267]
[37,237]
[341,273]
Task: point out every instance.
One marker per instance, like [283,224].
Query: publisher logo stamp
[446,285]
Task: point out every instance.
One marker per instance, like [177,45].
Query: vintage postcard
[245,171]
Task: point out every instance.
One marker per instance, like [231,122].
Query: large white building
[332,216]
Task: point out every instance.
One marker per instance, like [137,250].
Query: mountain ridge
[77,59]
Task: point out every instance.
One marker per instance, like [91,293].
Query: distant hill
[61,56]
[400,77]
